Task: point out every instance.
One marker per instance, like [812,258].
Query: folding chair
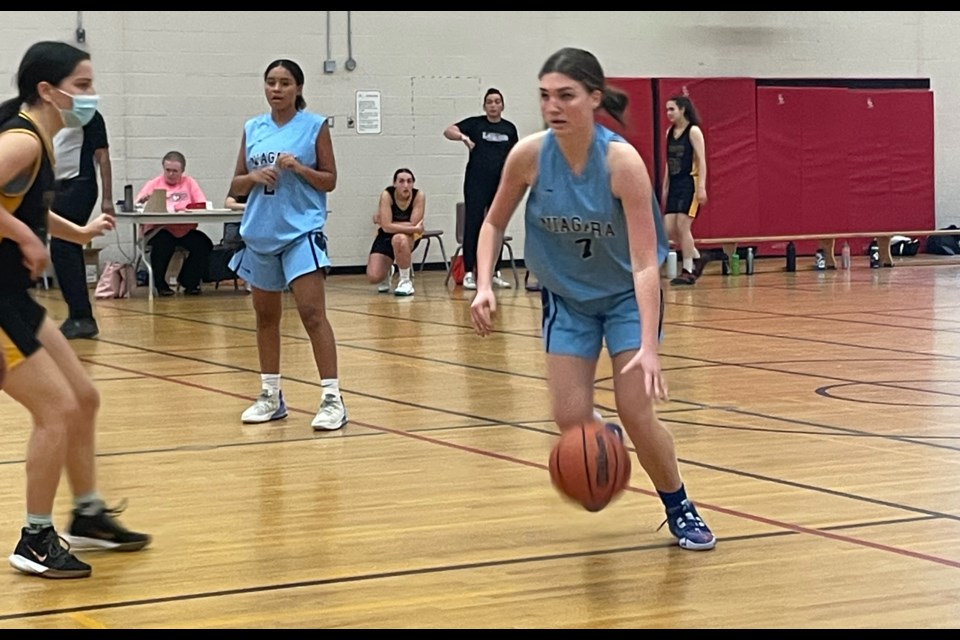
[507,239]
[428,236]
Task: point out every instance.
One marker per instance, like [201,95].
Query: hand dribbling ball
[590,464]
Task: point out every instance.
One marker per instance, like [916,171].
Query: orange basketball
[590,464]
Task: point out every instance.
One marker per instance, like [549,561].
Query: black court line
[435,360]
[831,343]
[504,457]
[700,361]
[422,571]
[525,426]
[827,392]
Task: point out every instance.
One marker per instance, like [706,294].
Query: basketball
[590,464]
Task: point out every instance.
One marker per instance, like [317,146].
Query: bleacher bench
[828,241]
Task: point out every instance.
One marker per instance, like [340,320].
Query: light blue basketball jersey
[576,233]
[276,217]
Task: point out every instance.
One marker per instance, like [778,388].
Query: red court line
[507,458]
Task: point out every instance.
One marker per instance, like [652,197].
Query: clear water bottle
[791,257]
[749,261]
[874,254]
[672,264]
[845,256]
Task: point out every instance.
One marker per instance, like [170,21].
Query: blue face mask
[84,107]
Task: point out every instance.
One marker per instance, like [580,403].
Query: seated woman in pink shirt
[182,190]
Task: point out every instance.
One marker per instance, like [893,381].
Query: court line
[402,573]
[703,505]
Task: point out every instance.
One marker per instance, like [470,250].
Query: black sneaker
[103,531]
[74,328]
[41,554]
[685,277]
[699,265]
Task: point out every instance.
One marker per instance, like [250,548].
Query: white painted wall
[188,81]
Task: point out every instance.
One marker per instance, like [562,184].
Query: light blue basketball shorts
[574,328]
[275,272]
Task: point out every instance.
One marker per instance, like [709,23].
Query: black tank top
[401,215]
[680,155]
[29,198]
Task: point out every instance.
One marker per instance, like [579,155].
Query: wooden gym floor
[815,415]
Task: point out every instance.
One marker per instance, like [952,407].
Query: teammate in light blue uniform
[595,240]
[286,167]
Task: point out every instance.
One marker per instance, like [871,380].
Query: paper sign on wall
[368,112]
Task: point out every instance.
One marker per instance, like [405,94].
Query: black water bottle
[128,205]
[791,257]
[874,254]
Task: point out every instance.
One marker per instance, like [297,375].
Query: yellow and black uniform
[683,169]
[28,198]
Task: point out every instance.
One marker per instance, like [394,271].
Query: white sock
[405,273]
[331,387]
[270,382]
[688,264]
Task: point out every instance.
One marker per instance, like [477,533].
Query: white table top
[190,215]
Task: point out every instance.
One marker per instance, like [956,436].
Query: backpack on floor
[117,281]
[457,270]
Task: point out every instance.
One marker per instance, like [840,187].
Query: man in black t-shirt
[489,139]
[79,154]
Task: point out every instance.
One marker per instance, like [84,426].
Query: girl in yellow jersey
[55,89]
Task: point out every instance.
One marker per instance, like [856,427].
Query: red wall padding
[892,163]
[797,160]
[728,109]
[802,159]
[639,117]
[836,160]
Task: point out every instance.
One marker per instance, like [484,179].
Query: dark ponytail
[584,67]
[46,61]
[297,74]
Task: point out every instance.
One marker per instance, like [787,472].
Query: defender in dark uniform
[55,89]
[684,183]
[400,218]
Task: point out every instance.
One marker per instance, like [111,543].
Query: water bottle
[821,260]
[749,261]
[791,257]
[128,198]
[735,264]
[672,264]
[845,256]
[874,254]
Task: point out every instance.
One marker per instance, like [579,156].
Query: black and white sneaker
[41,554]
[103,531]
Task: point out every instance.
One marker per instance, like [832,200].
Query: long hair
[297,74]
[689,111]
[46,61]
[584,67]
